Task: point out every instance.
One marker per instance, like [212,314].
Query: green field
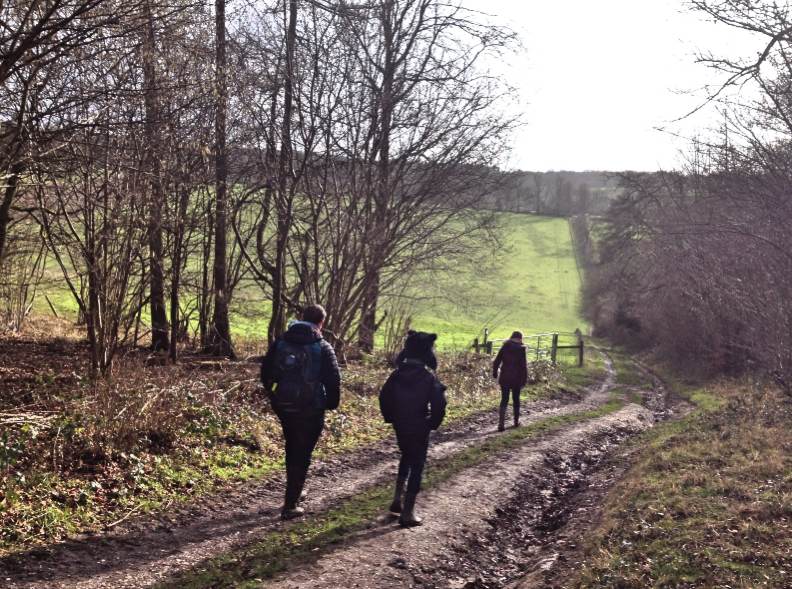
[531,282]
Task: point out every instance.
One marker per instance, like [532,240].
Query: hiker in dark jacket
[413,401]
[513,375]
[301,374]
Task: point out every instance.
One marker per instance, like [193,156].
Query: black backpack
[296,373]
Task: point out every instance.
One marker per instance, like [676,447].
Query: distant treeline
[555,193]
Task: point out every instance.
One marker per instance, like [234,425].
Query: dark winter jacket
[413,398]
[304,334]
[513,365]
[429,359]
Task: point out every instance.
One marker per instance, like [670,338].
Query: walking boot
[408,519]
[295,481]
[291,512]
[396,506]
[516,416]
[502,419]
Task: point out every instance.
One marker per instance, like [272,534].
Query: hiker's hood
[302,333]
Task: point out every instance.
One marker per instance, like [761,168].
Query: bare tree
[154,126]
[91,200]
[358,224]
[431,123]
[36,40]
[220,334]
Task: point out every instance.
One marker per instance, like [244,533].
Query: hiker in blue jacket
[301,374]
[413,401]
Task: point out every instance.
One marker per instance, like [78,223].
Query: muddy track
[559,552]
[515,523]
[146,550]
[483,527]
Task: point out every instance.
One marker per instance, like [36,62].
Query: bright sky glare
[596,80]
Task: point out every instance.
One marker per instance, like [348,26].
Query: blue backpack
[296,373]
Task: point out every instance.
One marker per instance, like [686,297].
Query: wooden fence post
[580,346]
[489,348]
[554,349]
[476,345]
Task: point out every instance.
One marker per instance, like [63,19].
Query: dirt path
[559,553]
[150,549]
[458,537]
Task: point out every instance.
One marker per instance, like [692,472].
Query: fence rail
[542,346]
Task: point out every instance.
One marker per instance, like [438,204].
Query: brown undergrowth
[79,456]
[708,504]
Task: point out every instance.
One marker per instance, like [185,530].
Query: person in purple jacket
[512,365]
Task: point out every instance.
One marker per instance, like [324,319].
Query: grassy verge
[708,503]
[592,371]
[305,540]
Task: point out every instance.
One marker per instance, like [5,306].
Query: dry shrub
[697,267]
[148,409]
[126,413]
[396,326]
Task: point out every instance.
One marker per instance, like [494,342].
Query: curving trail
[460,514]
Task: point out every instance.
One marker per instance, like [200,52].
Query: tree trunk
[159,319]
[5,205]
[368,318]
[220,332]
[284,200]
[178,244]
[205,297]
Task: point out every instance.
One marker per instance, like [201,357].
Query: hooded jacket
[303,333]
[512,363]
[418,345]
[413,398]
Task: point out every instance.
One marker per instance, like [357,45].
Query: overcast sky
[597,78]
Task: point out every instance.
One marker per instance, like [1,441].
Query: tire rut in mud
[523,535]
[543,549]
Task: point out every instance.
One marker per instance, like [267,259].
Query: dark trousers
[515,394]
[301,432]
[413,445]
